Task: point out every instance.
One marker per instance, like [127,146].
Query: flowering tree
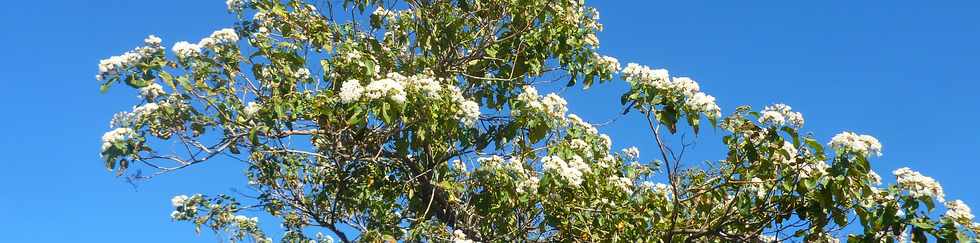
[422,121]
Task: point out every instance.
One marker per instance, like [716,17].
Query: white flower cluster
[768,239]
[246,222]
[321,238]
[555,105]
[790,150]
[126,119]
[116,135]
[607,63]
[578,144]
[185,49]
[251,108]
[918,185]
[459,166]
[183,206]
[958,211]
[552,104]
[386,88]
[524,180]
[179,200]
[757,186]
[704,103]
[657,188]
[460,237]
[385,14]
[116,64]
[815,169]
[151,91]
[235,5]
[577,121]
[351,91]
[145,110]
[861,144]
[623,183]
[639,74]
[490,162]
[682,87]
[632,152]
[396,87]
[875,178]
[778,115]
[302,74]
[469,111]
[219,37]
[527,183]
[572,170]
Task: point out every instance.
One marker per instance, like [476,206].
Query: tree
[426,124]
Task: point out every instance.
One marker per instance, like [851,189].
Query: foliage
[425,124]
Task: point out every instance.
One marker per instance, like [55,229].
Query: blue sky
[903,71]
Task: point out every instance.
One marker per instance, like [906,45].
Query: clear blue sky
[903,71]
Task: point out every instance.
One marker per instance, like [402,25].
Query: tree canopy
[422,120]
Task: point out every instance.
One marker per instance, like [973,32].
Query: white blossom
[460,237]
[875,178]
[178,200]
[554,105]
[383,13]
[251,108]
[607,63]
[529,185]
[606,141]
[757,186]
[958,211]
[491,162]
[572,170]
[469,113]
[918,185]
[145,110]
[685,86]
[657,188]
[632,152]
[701,102]
[116,135]
[790,150]
[122,119]
[302,74]
[767,238]
[351,91]
[861,144]
[781,114]
[458,165]
[577,121]
[385,87]
[529,98]
[219,37]
[639,74]
[623,183]
[814,169]
[235,5]
[117,64]
[429,86]
[152,41]
[321,238]
[151,91]
[185,49]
